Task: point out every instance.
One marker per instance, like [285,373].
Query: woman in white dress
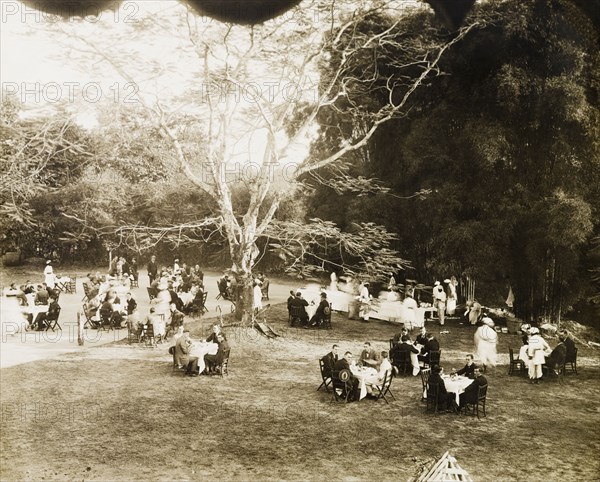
[452,297]
[485,340]
[162,306]
[257,304]
[536,354]
[333,285]
[364,299]
[49,277]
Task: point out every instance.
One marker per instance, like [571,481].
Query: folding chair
[425,372]
[52,321]
[516,365]
[384,389]
[89,320]
[403,362]
[105,321]
[148,335]
[131,334]
[473,407]
[71,285]
[342,381]
[572,362]
[86,290]
[324,376]
[433,391]
[223,367]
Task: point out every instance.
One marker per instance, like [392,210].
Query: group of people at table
[308,314]
[38,303]
[373,368]
[536,353]
[201,356]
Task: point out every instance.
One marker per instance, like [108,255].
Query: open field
[118,412]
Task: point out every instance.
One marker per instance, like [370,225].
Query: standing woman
[257,304]
[536,353]
[49,277]
[452,297]
[485,340]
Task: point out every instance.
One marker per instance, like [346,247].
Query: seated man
[109,313]
[214,336]
[52,313]
[323,311]
[213,361]
[398,354]
[330,359]
[182,355]
[369,356]
[557,358]
[445,399]
[569,345]
[300,303]
[422,337]
[430,345]
[385,369]
[471,393]
[289,300]
[131,304]
[223,285]
[398,336]
[176,318]
[344,364]
[469,369]
[41,296]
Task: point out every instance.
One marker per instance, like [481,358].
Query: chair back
[511,355]
[344,375]
[482,392]
[296,311]
[86,288]
[391,343]
[433,391]
[204,297]
[425,372]
[54,315]
[434,357]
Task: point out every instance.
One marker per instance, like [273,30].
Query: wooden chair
[89,320]
[403,362]
[473,408]
[148,335]
[105,321]
[342,381]
[384,389]
[132,336]
[572,363]
[326,377]
[516,365]
[391,343]
[433,392]
[71,286]
[86,290]
[223,367]
[425,372]
[434,358]
[295,315]
[52,321]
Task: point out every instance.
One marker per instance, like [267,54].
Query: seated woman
[385,369]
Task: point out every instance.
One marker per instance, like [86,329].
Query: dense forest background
[492,172]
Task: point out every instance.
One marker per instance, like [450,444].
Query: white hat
[488,321]
[436,283]
[48,261]
[534,331]
[446,280]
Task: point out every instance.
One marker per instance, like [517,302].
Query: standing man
[439,301]
[152,269]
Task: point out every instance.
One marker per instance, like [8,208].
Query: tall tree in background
[507,144]
[251,86]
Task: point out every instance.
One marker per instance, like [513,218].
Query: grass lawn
[117,412]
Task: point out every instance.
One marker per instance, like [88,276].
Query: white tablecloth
[456,386]
[201,348]
[34,310]
[365,375]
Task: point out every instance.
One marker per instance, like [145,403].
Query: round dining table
[201,348]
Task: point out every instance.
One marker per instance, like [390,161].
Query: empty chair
[425,372]
[326,377]
[71,286]
[516,365]
[572,362]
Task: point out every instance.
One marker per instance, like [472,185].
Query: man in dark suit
[400,352]
[344,364]
[289,300]
[472,391]
[569,345]
[422,337]
[369,356]
[152,269]
[557,358]
[323,311]
[182,355]
[330,359]
[469,369]
[300,302]
[430,345]
[444,398]
[398,336]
